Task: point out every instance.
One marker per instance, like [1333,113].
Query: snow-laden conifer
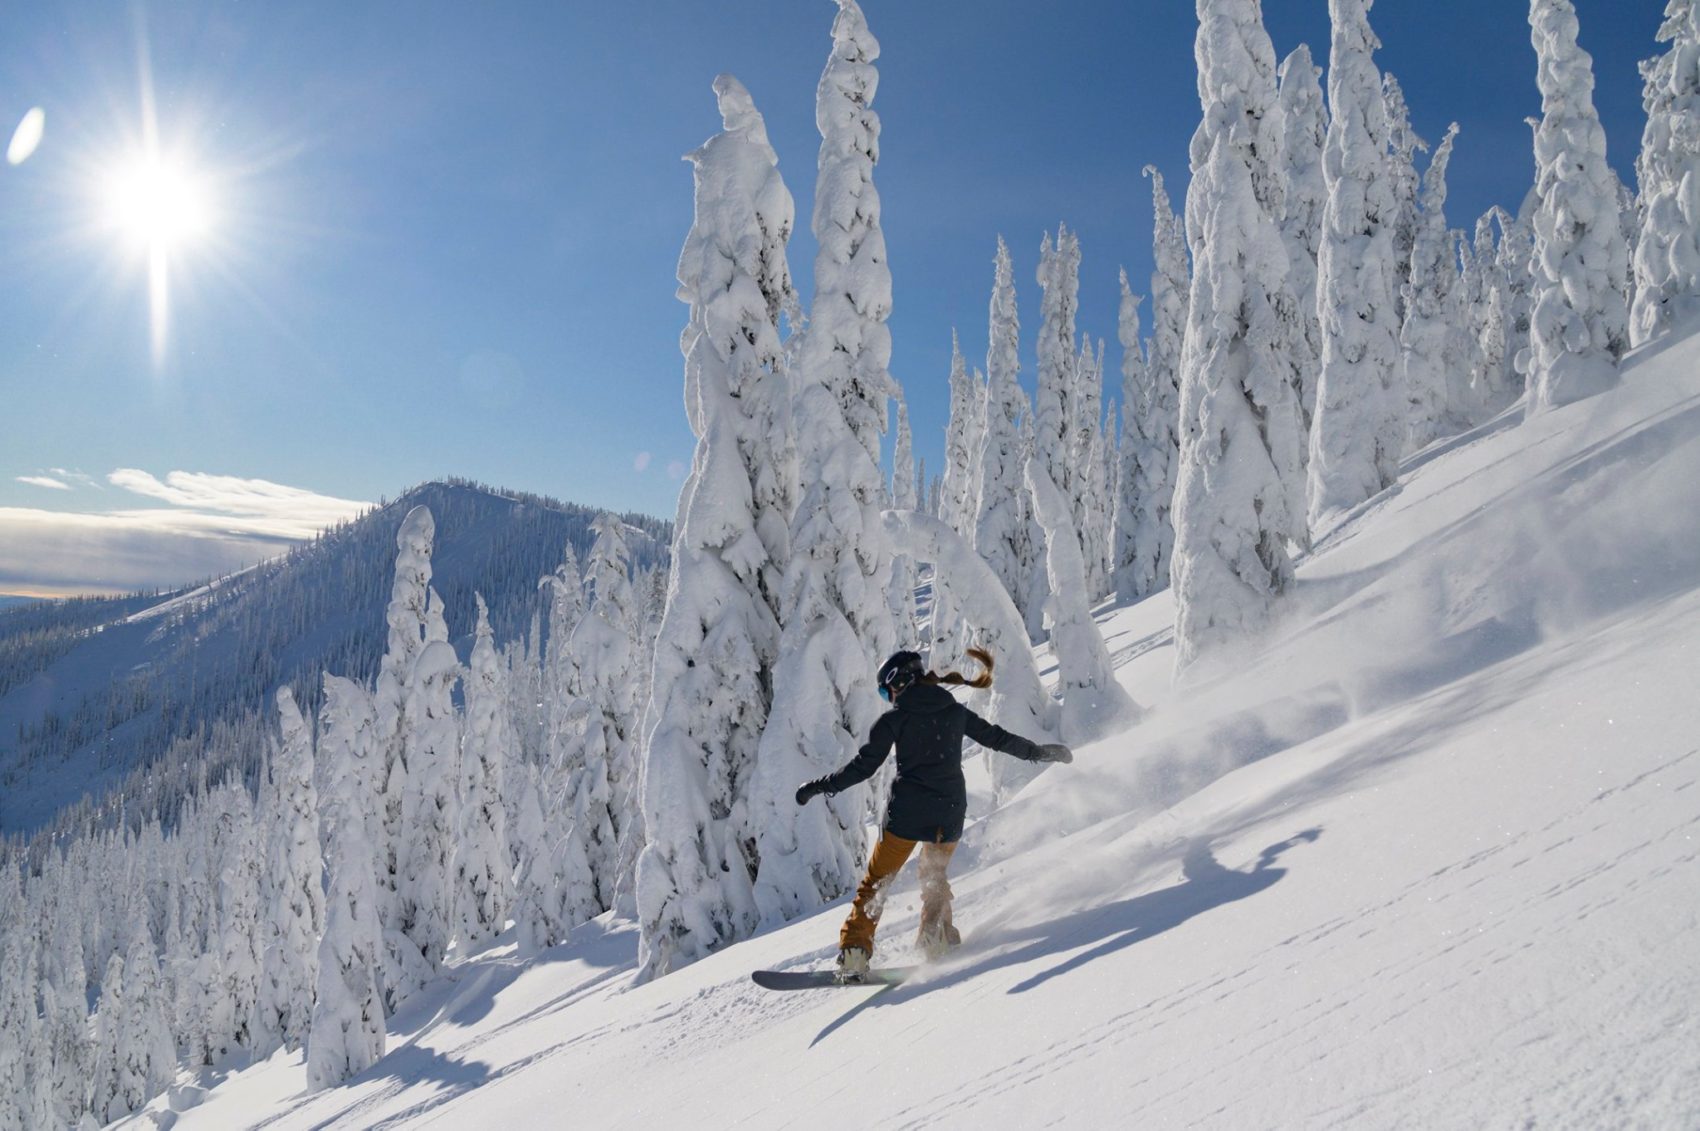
[1403,145]
[289,963]
[837,624]
[1133,577]
[230,1003]
[1056,440]
[405,618]
[903,497]
[1094,515]
[346,1029]
[1359,432]
[719,637]
[1580,323]
[1667,248]
[1305,124]
[425,904]
[537,881]
[17,1034]
[1001,530]
[1435,374]
[1234,512]
[1093,702]
[482,875]
[602,770]
[964,436]
[147,1054]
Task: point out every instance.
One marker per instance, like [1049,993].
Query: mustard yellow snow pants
[888,858]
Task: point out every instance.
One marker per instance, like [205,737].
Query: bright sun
[159,206]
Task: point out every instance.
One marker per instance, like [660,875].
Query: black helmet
[897,673]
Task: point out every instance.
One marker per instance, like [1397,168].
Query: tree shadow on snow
[1206,885]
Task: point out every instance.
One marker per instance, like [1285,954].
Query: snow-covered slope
[1428,861]
[92,690]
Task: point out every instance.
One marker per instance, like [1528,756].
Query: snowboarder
[929,799]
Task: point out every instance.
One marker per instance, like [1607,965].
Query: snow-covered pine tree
[837,624]
[1239,413]
[425,892]
[1158,423]
[346,1029]
[1055,409]
[719,637]
[1359,433]
[106,1092]
[602,769]
[1667,248]
[231,1002]
[1134,576]
[482,876]
[538,879]
[147,1058]
[1435,374]
[962,437]
[1001,528]
[1580,324]
[565,588]
[16,1021]
[903,497]
[1094,516]
[1093,702]
[405,617]
[289,962]
[1403,146]
[1305,124]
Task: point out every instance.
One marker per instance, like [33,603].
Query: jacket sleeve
[997,738]
[873,753]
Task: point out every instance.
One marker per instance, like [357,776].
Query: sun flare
[158,205]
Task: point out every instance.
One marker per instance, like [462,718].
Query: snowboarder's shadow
[1206,885]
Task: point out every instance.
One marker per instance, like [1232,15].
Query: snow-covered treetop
[1237,89]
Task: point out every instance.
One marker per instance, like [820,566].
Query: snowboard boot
[852,964]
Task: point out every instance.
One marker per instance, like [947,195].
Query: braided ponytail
[957,679]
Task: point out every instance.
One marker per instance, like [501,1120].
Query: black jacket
[929,799]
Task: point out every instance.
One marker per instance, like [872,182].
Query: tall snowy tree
[1305,124]
[482,877]
[903,497]
[1056,439]
[1359,433]
[1239,413]
[1001,529]
[1435,375]
[1580,324]
[565,589]
[1403,145]
[1135,573]
[964,436]
[425,893]
[1093,702]
[837,623]
[1667,248]
[406,617]
[289,963]
[346,1030]
[603,771]
[1156,434]
[719,637]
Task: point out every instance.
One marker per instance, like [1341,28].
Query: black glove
[1056,752]
[807,791]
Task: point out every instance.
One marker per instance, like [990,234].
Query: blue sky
[446,233]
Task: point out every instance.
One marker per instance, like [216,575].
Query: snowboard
[829,979]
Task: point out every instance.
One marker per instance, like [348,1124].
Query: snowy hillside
[1430,860]
[94,689]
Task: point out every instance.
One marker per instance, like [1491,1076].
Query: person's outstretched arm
[861,767]
[997,738]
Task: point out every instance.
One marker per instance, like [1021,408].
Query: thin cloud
[261,506]
[44,481]
[213,525]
